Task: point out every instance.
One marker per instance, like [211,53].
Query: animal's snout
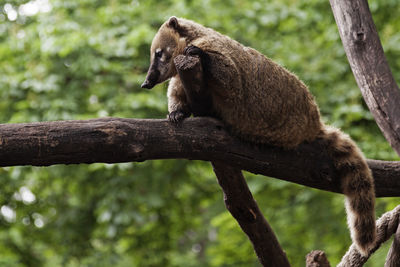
[146,84]
[153,75]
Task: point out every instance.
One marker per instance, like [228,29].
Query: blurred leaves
[87,59]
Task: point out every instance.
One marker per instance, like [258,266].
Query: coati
[263,103]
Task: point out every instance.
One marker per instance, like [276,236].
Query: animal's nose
[146,84]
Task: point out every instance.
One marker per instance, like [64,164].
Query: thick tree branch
[382,95]
[113,140]
[241,204]
[370,68]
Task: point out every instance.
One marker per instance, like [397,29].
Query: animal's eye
[158,53]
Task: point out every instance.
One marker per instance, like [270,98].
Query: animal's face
[165,47]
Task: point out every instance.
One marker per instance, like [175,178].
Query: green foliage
[87,59]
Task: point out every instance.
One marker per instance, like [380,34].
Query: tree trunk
[370,68]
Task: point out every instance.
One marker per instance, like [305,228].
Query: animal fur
[263,103]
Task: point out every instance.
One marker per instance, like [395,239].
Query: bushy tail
[357,185]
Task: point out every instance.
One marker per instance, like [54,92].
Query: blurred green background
[86,59]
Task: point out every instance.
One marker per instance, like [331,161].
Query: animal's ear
[179,28]
[173,22]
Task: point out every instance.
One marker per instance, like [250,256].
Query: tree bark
[393,257]
[317,258]
[113,140]
[385,227]
[370,68]
[241,204]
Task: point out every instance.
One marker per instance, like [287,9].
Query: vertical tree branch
[393,257]
[370,68]
[237,196]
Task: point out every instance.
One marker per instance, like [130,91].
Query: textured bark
[393,257]
[370,68]
[382,95]
[385,227]
[113,140]
[241,204]
[317,258]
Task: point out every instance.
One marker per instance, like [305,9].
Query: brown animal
[260,102]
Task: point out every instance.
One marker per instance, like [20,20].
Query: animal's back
[258,99]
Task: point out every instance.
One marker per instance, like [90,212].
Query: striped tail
[357,185]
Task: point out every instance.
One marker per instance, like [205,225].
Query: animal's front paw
[177,116]
[192,50]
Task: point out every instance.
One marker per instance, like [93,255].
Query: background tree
[86,59]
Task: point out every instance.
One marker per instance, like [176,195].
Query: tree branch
[241,204]
[393,257]
[370,68]
[385,227]
[113,140]
[317,258]
[382,95]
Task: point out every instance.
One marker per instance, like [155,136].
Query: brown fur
[264,103]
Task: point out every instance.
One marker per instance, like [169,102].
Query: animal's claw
[177,116]
[192,50]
